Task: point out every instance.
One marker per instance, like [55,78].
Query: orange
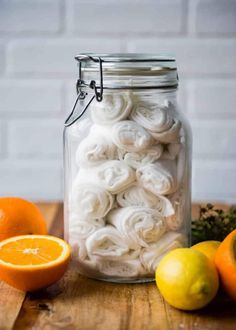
[225,261]
[20,217]
[208,248]
[32,262]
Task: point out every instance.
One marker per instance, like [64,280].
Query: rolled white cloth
[108,243]
[153,117]
[100,130]
[115,176]
[113,108]
[138,196]
[141,158]
[95,149]
[88,268]
[171,135]
[139,226]
[159,178]
[122,268]
[91,201]
[79,129]
[151,256]
[79,231]
[81,228]
[130,136]
[112,175]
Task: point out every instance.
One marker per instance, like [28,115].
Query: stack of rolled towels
[124,202]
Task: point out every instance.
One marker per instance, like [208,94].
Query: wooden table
[76,302]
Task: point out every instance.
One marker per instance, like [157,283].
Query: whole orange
[225,261]
[20,217]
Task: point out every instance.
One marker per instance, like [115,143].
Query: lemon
[208,248]
[187,279]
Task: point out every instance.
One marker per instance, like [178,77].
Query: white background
[38,40]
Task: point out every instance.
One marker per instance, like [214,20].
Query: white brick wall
[27,16]
[38,40]
[126,17]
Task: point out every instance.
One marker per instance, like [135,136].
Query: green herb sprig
[213,224]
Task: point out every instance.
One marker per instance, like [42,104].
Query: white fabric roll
[115,176]
[91,201]
[81,228]
[112,175]
[79,231]
[137,196]
[108,243]
[151,256]
[159,178]
[113,108]
[79,129]
[171,135]
[141,158]
[153,117]
[95,149]
[130,136]
[124,269]
[97,131]
[139,226]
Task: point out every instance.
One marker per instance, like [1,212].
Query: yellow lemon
[187,279]
[208,248]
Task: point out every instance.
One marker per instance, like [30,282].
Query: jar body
[127,184]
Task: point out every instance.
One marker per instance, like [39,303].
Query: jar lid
[130,70]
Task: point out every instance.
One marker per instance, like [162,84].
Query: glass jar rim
[134,69]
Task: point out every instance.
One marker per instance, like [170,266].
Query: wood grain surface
[76,302]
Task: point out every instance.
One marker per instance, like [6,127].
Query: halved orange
[32,262]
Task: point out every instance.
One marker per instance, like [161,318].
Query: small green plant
[213,224]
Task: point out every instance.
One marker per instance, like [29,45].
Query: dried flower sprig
[213,224]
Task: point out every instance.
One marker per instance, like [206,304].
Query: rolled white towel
[122,268]
[90,201]
[112,175]
[153,117]
[81,228]
[95,149]
[152,255]
[79,129]
[159,178]
[115,176]
[88,267]
[79,231]
[100,130]
[113,108]
[171,135]
[130,136]
[138,196]
[141,158]
[108,243]
[139,226]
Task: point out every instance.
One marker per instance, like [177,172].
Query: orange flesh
[30,251]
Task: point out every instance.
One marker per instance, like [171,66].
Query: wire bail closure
[81,94]
[92,84]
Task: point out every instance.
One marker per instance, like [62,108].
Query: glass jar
[127,157]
